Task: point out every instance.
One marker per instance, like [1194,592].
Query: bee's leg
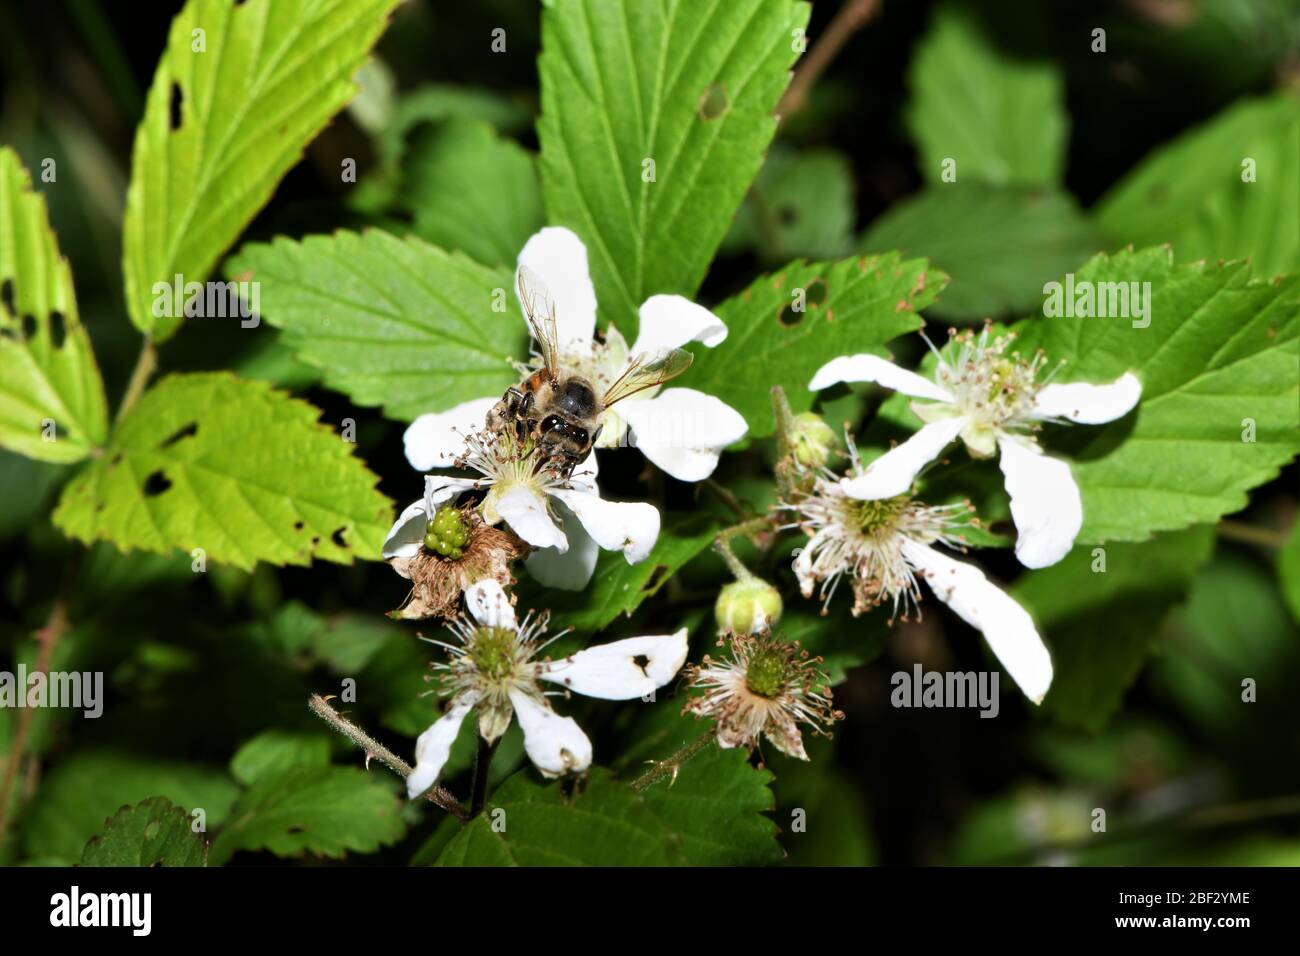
[526,404]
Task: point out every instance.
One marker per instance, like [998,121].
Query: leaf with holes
[1100,611]
[618,588]
[396,322]
[999,245]
[472,190]
[654,120]
[1000,119]
[234,467]
[1226,190]
[239,92]
[325,811]
[152,833]
[788,324]
[1220,409]
[52,403]
[711,816]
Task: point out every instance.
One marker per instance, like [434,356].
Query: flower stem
[145,365]
[1251,534]
[669,766]
[852,15]
[373,748]
[722,544]
[482,768]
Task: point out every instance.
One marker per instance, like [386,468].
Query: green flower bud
[813,439]
[446,533]
[744,607]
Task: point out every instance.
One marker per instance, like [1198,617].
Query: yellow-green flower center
[493,651]
[447,534]
[768,672]
[879,515]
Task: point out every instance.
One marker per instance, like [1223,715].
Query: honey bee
[559,411]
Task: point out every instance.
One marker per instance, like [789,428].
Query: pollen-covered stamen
[991,384]
[491,662]
[864,538]
[766,688]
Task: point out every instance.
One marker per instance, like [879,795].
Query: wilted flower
[991,399]
[767,687]
[681,430]
[883,547]
[495,672]
[442,550]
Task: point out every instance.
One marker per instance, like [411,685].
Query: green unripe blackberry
[447,534]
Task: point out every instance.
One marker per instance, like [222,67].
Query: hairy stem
[669,766]
[373,748]
[722,544]
[852,16]
[48,637]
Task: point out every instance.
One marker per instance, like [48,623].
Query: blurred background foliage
[1071,151]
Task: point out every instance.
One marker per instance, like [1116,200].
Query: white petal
[434,745]
[1089,404]
[872,368]
[893,472]
[628,526]
[406,535]
[525,511]
[490,605]
[436,440]
[624,669]
[670,321]
[559,259]
[569,570]
[555,744]
[1045,502]
[983,605]
[683,431]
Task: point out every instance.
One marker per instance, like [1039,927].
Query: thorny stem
[482,766]
[48,636]
[722,544]
[669,766]
[145,365]
[1251,534]
[373,748]
[852,16]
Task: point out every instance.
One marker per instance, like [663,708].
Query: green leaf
[1003,120]
[856,305]
[618,588]
[1288,571]
[393,322]
[1101,625]
[84,790]
[275,750]
[710,817]
[801,205]
[998,244]
[246,473]
[152,833]
[690,86]
[267,79]
[1220,350]
[1191,192]
[475,191]
[47,365]
[326,811]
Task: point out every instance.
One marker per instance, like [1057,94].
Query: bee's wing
[539,307]
[646,370]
